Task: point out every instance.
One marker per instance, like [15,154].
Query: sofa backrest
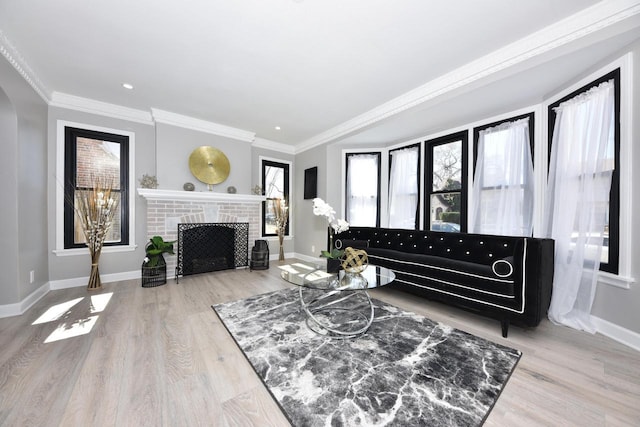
[477,248]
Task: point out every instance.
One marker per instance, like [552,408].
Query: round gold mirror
[209,165]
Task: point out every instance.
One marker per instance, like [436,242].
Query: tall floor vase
[281,241]
[94,277]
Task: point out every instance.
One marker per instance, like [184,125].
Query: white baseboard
[9,310]
[315,259]
[617,333]
[104,278]
[287,255]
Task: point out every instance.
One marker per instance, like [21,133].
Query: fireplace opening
[206,247]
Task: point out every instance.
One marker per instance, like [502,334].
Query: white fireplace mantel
[155,194]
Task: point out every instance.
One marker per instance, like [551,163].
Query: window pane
[362,189]
[274,182]
[447,166]
[445,212]
[270,218]
[403,187]
[498,160]
[275,179]
[113,234]
[97,160]
[503,179]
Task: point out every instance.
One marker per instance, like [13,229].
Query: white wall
[23,174]
[175,144]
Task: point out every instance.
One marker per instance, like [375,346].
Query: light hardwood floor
[161,357]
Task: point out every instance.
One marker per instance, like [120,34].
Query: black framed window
[363,189]
[404,187]
[446,183]
[275,185]
[91,156]
[610,257]
[503,178]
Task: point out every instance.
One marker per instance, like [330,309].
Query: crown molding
[86,105]
[274,146]
[11,54]
[174,119]
[582,24]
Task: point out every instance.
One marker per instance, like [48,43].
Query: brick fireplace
[168,208]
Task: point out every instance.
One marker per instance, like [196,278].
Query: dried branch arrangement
[95,209]
[281,211]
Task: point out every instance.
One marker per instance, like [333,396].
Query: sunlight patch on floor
[77,328]
[99,302]
[71,310]
[57,311]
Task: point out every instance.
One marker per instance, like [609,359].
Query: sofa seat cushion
[495,281]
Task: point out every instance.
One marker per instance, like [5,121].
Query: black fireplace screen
[210,247]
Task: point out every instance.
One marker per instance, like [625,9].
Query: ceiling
[321,70]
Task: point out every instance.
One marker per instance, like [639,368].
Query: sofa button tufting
[467,252]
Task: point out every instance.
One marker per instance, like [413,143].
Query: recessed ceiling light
[277,127]
[127,86]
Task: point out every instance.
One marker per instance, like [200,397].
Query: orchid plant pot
[334,265]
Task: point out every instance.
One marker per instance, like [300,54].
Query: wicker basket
[154,276]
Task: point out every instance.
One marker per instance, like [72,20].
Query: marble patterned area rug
[406,370]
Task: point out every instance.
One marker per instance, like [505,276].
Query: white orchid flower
[320,207]
[340,225]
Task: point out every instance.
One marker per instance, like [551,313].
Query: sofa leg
[505,327]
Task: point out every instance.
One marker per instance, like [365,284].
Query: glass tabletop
[315,276]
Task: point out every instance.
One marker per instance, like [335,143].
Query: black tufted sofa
[509,278]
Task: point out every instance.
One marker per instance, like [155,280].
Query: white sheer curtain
[577,200]
[503,181]
[403,188]
[362,189]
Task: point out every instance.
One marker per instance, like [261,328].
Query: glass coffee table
[338,304]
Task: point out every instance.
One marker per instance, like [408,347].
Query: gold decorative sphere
[354,260]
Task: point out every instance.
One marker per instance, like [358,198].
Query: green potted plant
[334,259]
[155,248]
[154,267]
